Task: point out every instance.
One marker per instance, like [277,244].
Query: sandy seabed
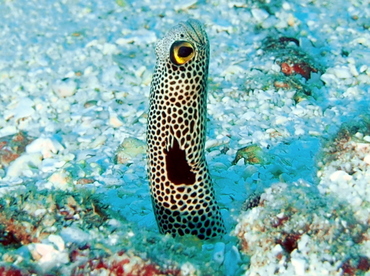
[288,138]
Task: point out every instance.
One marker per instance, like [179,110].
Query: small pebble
[46,146]
[24,165]
[299,265]
[77,75]
[342,72]
[367,159]
[260,15]
[339,176]
[57,241]
[65,88]
[60,179]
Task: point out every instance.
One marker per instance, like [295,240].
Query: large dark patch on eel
[177,167]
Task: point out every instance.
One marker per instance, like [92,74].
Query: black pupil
[184,51]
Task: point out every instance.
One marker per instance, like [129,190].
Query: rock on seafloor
[288,92]
[296,231]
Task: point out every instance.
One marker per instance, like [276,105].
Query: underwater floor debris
[288,80]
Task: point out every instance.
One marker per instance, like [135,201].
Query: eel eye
[181,52]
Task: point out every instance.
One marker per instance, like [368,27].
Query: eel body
[182,192]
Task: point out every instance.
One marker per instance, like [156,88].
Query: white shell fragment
[65,88]
[46,146]
[259,14]
[75,78]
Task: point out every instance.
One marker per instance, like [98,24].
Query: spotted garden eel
[182,192]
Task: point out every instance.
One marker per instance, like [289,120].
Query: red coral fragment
[347,269]
[148,270]
[290,242]
[364,264]
[14,233]
[351,270]
[117,267]
[85,180]
[279,221]
[20,137]
[301,68]
[101,265]
[286,68]
[10,272]
[304,69]
[6,157]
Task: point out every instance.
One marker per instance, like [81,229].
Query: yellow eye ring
[181,52]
